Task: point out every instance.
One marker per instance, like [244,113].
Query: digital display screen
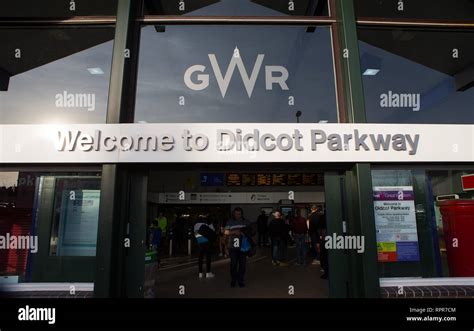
[264,179]
[212,179]
[249,179]
[294,179]
[310,179]
[279,179]
[233,179]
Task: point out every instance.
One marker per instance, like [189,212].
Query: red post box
[458,226]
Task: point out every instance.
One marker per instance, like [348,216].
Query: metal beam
[110,259]
[363,273]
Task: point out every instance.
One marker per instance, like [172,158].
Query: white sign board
[233,198]
[234,142]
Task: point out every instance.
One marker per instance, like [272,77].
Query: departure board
[274,179]
[310,179]
[294,179]
[279,179]
[249,179]
[233,179]
[264,179]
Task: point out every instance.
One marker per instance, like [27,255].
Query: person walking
[262,229]
[156,236]
[278,231]
[299,227]
[237,228]
[162,222]
[205,236]
[223,240]
[313,231]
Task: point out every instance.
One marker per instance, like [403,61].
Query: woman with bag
[205,236]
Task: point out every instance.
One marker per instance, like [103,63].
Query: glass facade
[461,10]
[417,76]
[57,8]
[411,231]
[55,75]
[237,7]
[235,74]
[45,215]
[261,71]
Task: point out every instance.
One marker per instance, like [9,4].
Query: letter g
[203,80]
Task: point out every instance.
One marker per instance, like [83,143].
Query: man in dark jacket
[237,227]
[278,231]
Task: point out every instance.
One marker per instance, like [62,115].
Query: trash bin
[458,223]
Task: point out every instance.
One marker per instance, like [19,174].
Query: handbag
[247,246]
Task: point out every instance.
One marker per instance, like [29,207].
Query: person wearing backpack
[205,235]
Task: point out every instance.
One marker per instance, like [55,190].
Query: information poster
[395,222]
[78,223]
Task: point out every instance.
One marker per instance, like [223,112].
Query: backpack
[207,232]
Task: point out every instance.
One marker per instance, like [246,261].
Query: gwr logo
[202,79]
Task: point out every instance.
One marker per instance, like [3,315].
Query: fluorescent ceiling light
[95,71]
[371,72]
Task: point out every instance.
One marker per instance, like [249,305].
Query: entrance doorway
[180,197]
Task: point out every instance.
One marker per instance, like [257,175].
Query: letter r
[280,80]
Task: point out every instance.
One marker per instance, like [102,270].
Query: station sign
[236,142]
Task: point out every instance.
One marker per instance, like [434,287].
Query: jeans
[314,241]
[238,261]
[300,248]
[204,249]
[262,238]
[278,249]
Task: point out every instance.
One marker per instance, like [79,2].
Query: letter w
[380,142]
[223,82]
[66,140]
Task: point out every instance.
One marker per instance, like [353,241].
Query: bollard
[171,243]
[189,242]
